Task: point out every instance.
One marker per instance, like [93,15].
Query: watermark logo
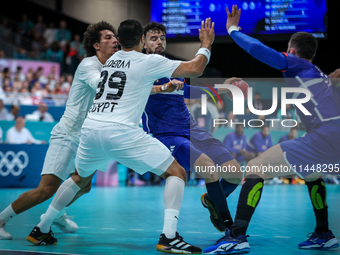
[204,97]
[238,103]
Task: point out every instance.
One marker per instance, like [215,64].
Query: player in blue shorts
[320,145]
[166,117]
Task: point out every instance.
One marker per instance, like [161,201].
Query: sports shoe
[176,245]
[64,223]
[229,245]
[4,235]
[320,242]
[215,218]
[38,238]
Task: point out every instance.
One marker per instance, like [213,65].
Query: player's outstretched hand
[207,32]
[233,16]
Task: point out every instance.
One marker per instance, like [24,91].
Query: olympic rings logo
[10,160]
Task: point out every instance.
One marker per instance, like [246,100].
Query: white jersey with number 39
[124,88]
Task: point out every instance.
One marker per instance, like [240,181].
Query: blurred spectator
[20,135]
[66,84]
[7,85]
[236,143]
[19,73]
[260,142]
[2,54]
[57,89]
[20,53]
[17,84]
[38,39]
[29,75]
[258,104]
[26,26]
[63,35]
[55,54]
[75,54]
[14,112]
[39,76]
[5,73]
[1,135]
[43,114]
[292,135]
[3,110]
[290,113]
[25,29]
[25,97]
[5,31]
[50,33]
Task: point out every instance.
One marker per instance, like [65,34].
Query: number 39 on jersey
[109,89]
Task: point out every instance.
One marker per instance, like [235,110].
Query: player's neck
[136,48]
[102,58]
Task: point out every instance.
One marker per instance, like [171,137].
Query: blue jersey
[258,143]
[325,101]
[167,114]
[324,104]
[235,143]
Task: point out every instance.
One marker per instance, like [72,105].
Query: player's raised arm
[196,66]
[254,47]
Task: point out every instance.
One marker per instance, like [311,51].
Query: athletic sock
[318,194]
[63,197]
[249,198]
[170,222]
[216,195]
[228,187]
[173,196]
[61,213]
[7,214]
[47,219]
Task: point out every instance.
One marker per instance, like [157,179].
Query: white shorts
[61,154]
[129,146]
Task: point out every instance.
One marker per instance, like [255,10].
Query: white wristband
[205,52]
[233,28]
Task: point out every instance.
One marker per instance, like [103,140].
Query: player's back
[324,105]
[81,95]
[126,82]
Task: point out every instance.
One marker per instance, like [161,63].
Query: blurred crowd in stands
[36,40]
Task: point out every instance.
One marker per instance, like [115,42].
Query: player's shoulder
[89,62]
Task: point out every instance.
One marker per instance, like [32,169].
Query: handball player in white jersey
[111,129]
[99,44]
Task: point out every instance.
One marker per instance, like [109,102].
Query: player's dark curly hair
[154,27]
[305,44]
[93,35]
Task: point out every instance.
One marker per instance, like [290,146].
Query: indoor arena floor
[128,220]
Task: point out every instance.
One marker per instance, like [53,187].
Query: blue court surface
[128,220]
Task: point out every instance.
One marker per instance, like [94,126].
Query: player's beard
[159,53]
